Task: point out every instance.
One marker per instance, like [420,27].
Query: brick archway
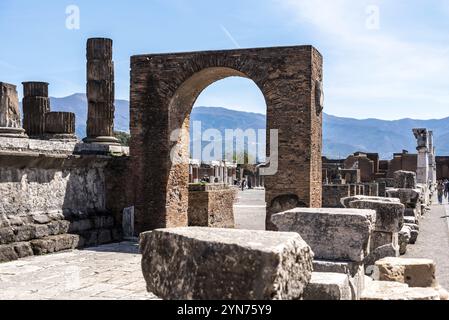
[164,88]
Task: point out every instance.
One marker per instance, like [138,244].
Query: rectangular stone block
[384,290]
[225,264]
[54,244]
[211,208]
[333,234]
[354,270]
[346,201]
[413,272]
[328,286]
[405,180]
[389,215]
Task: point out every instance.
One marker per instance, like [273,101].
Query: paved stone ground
[249,210]
[433,242]
[102,273]
[109,272]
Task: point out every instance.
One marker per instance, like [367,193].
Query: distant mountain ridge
[341,136]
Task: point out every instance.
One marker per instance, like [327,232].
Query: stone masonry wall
[54,199]
[211,207]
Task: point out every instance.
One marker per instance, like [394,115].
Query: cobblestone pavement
[109,272]
[433,241]
[103,273]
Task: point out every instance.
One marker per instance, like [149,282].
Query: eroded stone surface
[384,290]
[328,286]
[205,263]
[346,201]
[333,234]
[414,272]
[389,216]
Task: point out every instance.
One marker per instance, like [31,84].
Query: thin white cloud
[229,35]
[376,64]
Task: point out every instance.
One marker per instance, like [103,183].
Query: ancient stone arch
[164,88]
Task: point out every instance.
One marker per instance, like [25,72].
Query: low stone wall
[211,206]
[54,197]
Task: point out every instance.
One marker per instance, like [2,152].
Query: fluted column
[35,105]
[10,123]
[60,126]
[100,92]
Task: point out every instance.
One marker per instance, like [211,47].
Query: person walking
[446,189]
[243,184]
[440,189]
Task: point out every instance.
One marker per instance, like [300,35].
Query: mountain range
[341,136]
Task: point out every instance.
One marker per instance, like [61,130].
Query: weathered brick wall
[332,194]
[212,207]
[164,88]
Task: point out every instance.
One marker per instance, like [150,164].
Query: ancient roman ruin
[335,229]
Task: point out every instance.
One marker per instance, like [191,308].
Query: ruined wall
[53,199]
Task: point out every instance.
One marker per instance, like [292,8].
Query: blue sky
[390,65]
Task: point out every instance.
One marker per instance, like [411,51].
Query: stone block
[346,201]
[405,180]
[333,234]
[355,272]
[388,250]
[211,208]
[408,197]
[41,219]
[54,244]
[6,235]
[225,264]
[404,239]
[103,222]
[410,220]
[379,239]
[78,226]
[384,290]
[23,249]
[413,272]
[328,286]
[7,253]
[389,215]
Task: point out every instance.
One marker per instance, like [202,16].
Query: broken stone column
[60,126]
[225,264]
[100,92]
[10,122]
[422,171]
[35,105]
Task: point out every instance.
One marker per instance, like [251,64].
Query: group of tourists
[443,190]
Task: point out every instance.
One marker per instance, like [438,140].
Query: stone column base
[102,140]
[60,137]
[12,132]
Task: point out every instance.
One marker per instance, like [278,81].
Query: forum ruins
[335,229]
